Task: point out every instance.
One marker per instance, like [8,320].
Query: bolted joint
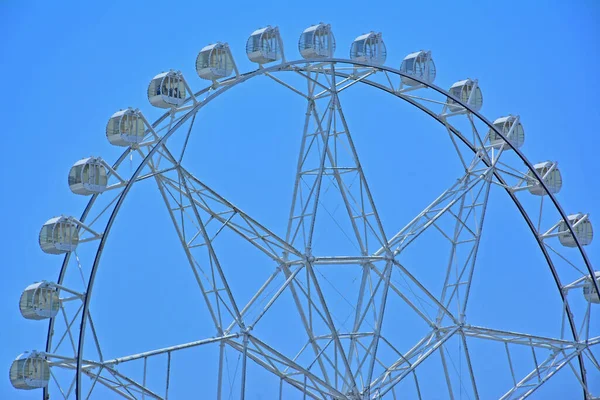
[308,257]
[389,255]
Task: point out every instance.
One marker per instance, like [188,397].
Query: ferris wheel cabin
[511,128]
[264,45]
[88,176]
[468,92]
[39,301]
[214,62]
[317,41]
[30,370]
[419,65]
[581,226]
[59,235]
[550,175]
[167,90]
[126,128]
[369,48]
[589,291]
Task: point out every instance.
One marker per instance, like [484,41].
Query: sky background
[68,66]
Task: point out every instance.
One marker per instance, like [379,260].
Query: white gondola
[30,370]
[215,61]
[264,45]
[419,65]
[317,41]
[589,291]
[59,235]
[39,301]
[551,176]
[511,128]
[468,92]
[167,90]
[582,228]
[369,48]
[88,176]
[126,128]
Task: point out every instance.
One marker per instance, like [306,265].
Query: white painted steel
[345,361]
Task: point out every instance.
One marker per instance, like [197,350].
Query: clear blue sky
[67,66]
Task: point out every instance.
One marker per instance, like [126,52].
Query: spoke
[208,287]
[541,374]
[328,153]
[169,349]
[469,364]
[438,208]
[121,384]
[224,212]
[331,325]
[309,176]
[465,245]
[520,338]
[559,352]
[408,362]
[275,362]
[219,281]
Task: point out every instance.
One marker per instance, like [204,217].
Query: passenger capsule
[88,176]
[39,301]
[582,228]
[264,45]
[369,48]
[511,128]
[167,90]
[30,370]
[550,175]
[214,61]
[126,127]
[419,65]
[589,291]
[317,41]
[468,92]
[59,235]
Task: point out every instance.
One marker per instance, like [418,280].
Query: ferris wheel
[346,343]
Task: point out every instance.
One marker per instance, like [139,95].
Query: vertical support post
[244,366]
[220,373]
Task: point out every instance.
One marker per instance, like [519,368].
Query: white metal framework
[355,358]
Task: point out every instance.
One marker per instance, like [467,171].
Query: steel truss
[339,359]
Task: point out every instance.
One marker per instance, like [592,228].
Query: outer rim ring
[288,66]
